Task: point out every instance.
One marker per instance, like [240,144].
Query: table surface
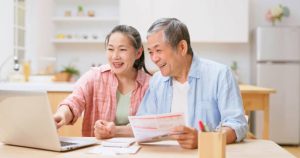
[253,148]
[255,89]
[40,86]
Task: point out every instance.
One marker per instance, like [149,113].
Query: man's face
[162,54]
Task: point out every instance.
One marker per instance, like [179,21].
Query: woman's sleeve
[83,90]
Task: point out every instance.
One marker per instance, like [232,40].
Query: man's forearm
[230,134]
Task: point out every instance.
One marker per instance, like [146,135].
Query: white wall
[82,56]
[6,38]
[39,32]
[226,54]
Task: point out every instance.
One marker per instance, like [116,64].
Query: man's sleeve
[230,104]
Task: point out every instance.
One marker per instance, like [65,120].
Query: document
[149,128]
[116,146]
[114,150]
[118,142]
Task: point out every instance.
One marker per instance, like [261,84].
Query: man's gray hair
[174,31]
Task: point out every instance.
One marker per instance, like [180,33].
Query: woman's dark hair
[135,38]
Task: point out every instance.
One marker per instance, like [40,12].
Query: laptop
[26,120]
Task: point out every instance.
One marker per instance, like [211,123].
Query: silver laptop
[26,120]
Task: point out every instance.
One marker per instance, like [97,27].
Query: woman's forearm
[123,131]
[65,111]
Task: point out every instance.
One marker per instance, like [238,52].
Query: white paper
[118,142]
[154,127]
[114,150]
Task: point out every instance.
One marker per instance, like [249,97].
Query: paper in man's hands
[149,128]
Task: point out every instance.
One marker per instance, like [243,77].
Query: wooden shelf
[85,19]
[63,41]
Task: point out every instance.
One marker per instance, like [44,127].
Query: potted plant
[66,74]
[80,10]
[276,13]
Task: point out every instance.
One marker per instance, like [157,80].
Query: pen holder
[211,144]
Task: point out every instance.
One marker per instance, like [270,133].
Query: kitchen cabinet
[57,35]
[220,21]
[89,26]
[78,39]
[207,20]
[69,130]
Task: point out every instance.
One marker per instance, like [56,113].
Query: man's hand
[104,129]
[187,137]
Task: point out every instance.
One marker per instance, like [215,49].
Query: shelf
[85,19]
[76,41]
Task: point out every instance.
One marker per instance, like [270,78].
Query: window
[19,29]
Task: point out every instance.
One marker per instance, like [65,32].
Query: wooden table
[246,149]
[257,98]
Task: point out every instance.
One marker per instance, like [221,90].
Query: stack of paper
[114,151]
[118,142]
[116,146]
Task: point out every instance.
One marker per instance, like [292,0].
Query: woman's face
[121,54]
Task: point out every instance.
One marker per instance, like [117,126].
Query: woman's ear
[139,53]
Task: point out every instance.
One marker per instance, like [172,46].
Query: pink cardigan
[95,94]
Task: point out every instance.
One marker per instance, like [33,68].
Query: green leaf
[71,70]
[286,11]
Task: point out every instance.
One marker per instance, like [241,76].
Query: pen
[201,126]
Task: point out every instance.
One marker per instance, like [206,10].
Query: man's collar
[194,70]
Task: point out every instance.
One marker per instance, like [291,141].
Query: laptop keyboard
[66,143]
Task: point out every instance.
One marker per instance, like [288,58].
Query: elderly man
[202,89]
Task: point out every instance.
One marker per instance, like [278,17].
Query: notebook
[26,120]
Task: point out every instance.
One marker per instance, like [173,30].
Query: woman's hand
[104,129]
[59,120]
[62,116]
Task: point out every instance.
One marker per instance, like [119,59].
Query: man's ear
[182,47]
[139,53]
